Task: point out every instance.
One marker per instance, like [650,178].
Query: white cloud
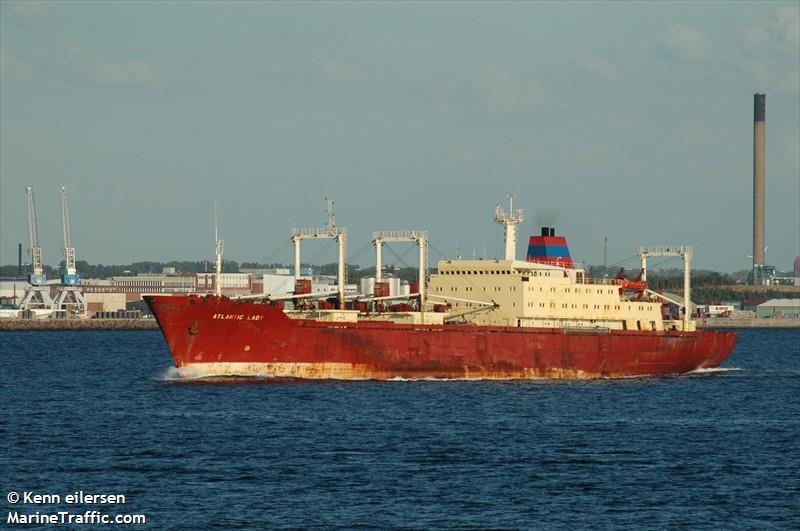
[694,135]
[12,68]
[683,42]
[104,71]
[29,9]
[462,158]
[787,24]
[132,72]
[339,70]
[501,91]
[774,50]
[792,81]
[598,67]
[754,36]
[783,30]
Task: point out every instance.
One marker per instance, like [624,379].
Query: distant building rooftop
[781,303]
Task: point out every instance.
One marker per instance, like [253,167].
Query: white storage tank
[367,286]
[394,286]
[405,289]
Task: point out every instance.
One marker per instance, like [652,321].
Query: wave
[188,374]
[433,379]
[713,370]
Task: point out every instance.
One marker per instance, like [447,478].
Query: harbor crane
[69,295]
[37,296]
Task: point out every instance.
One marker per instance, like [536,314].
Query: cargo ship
[538,318]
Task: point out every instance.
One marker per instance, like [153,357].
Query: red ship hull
[217,336]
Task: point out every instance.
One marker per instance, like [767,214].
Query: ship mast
[410,236]
[510,219]
[219,244]
[331,232]
[685,252]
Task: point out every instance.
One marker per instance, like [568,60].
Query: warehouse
[789,308]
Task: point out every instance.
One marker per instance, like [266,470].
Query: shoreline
[23,325]
[32,325]
[752,322]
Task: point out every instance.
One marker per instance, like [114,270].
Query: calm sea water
[99,412]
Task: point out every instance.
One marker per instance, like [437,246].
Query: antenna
[219,246]
[510,219]
[330,225]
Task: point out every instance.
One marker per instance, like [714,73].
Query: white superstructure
[517,293]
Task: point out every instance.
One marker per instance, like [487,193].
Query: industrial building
[231,283]
[787,308]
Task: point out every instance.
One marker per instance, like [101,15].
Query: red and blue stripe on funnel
[549,249]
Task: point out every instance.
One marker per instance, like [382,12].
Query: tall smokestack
[759,126]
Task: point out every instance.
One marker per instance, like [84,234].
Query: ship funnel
[549,249]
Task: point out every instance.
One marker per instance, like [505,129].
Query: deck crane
[69,295]
[37,296]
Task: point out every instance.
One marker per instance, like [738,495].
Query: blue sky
[627,120]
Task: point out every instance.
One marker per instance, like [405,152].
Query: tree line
[658,280]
